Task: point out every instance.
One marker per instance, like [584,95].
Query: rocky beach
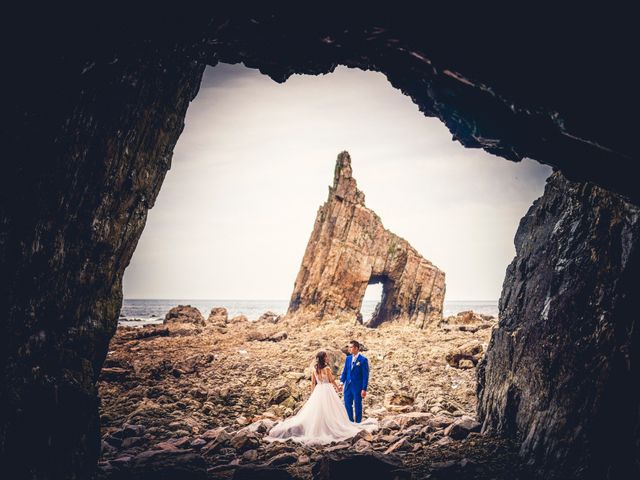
[196,395]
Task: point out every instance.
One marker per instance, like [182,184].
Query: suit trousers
[353,397]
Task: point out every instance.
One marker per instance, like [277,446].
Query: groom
[355,377]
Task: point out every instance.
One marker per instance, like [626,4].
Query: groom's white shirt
[353,359]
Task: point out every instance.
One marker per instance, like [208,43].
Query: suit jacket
[357,377]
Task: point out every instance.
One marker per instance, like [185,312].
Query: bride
[323,418]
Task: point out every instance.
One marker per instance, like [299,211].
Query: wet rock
[184,314]
[114,374]
[405,420]
[362,445]
[286,458]
[192,363]
[402,444]
[280,395]
[465,363]
[244,440]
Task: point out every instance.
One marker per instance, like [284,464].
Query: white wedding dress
[322,419]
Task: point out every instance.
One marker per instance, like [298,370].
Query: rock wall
[73,206]
[561,372]
[349,249]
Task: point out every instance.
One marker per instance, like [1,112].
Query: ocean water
[146,311]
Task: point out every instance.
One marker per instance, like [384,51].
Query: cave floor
[181,394]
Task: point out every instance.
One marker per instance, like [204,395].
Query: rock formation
[562,372]
[349,249]
[86,156]
[184,314]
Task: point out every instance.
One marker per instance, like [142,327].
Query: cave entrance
[249,145]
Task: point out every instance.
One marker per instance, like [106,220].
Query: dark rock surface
[561,371]
[365,465]
[85,156]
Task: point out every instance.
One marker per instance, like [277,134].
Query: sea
[138,312]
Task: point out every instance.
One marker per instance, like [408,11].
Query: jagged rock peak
[349,249]
[344,185]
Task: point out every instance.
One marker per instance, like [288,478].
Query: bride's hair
[321,361]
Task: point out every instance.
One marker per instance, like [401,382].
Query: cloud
[253,164]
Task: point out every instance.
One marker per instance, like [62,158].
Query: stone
[559,357]
[461,428]
[89,161]
[184,314]
[465,363]
[192,363]
[349,249]
[402,444]
[278,336]
[269,317]
[280,395]
[471,351]
[238,319]
[218,316]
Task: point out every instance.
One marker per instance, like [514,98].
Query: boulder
[238,319]
[471,351]
[269,317]
[218,316]
[461,428]
[393,400]
[184,314]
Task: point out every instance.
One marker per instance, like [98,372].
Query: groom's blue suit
[355,378]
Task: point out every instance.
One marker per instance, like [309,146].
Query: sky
[254,163]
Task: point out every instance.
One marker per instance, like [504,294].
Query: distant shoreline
[141,311]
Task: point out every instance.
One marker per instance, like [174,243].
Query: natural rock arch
[349,249]
[87,156]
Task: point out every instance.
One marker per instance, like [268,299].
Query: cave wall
[74,203]
[561,372]
[95,101]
